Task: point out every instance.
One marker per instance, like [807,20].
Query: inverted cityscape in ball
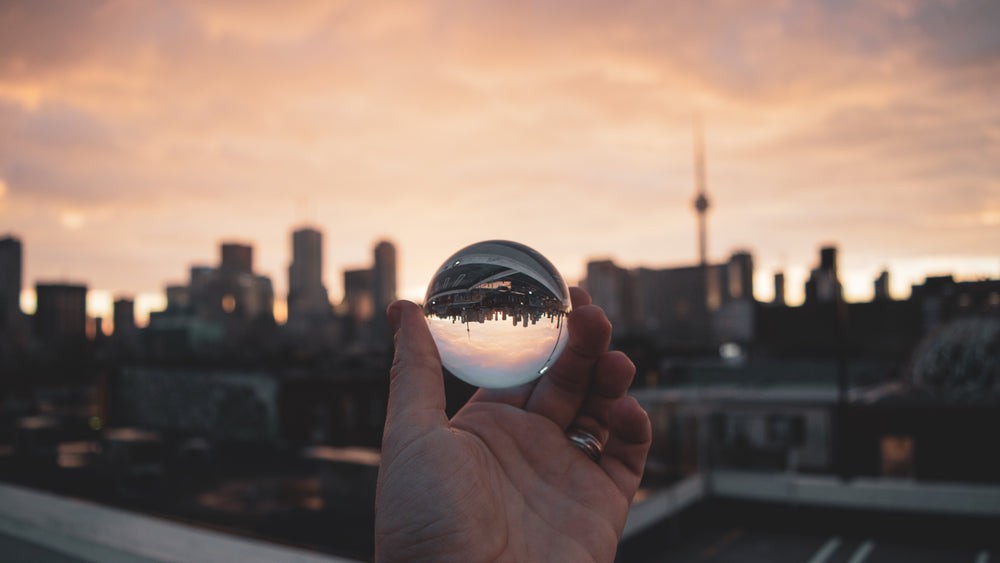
[497,310]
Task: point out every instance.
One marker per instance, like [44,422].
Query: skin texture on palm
[500,481]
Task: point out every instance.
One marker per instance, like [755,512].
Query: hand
[500,481]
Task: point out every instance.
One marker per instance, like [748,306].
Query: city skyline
[100,303]
[144,135]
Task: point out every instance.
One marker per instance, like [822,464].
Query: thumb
[416,385]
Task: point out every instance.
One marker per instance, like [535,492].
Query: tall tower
[384,276]
[701,203]
[306,292]
[383,289]
[10,283]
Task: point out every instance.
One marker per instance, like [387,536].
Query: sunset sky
[135,136]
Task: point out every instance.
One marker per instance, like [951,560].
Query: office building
[61,313]
[384,276]
[307,296]
[359,301]
[237,257]
[10,284]
[123,318]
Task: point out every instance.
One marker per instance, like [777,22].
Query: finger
[624,455]
[560,392]
[578,297]
[416,385]
[518,395]
[612,378]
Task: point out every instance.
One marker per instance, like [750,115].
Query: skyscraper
[779,289]
[307,295]
[237,257]
[823,285]
[61,313]
[383,289]
[358,302]
[611,287]
[124,318]
[10,284]
[882,287]
[384,275]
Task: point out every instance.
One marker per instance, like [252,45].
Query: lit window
[897,456]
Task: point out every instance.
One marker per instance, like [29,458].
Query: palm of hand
[500,481]
[506,485]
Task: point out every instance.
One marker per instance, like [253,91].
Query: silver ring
[587,442]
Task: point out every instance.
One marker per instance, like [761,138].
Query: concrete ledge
[91,532]
[663,504]
[860,493]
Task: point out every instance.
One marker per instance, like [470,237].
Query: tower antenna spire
[701,202]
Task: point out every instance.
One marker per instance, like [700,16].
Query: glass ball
[497,310]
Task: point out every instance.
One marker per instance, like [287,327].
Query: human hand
[500,481]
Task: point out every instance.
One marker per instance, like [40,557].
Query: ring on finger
[587,442]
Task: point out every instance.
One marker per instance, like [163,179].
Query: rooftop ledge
[92,532]
[861,493]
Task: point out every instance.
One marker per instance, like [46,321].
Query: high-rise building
[232,292]
[237,257]
[779,289]
[10,284]
[227,305]
[307,295]
[611,287]
[359,302]
[823,285]
[384,274]
[123,318]
[882,287]
[60,313]
[739,274]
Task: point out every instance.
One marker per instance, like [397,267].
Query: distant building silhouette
[228,305]
[701,201]
[612,287]
[237,257]
[233,292]
[307,296]
[686,309]
[359,298]
[10,286]
[882,287]
[824,326]
[60,314]
[383,289]
[824,282]
[384,276]
[125,333]
[179,296]
[779,289]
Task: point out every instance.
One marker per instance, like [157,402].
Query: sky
[137,136]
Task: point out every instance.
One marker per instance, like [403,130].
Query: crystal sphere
[497,310]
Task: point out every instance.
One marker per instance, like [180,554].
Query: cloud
[562,122]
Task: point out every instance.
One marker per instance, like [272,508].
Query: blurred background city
[790,212]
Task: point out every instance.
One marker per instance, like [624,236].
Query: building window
[897,456]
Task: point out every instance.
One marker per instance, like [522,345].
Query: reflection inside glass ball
[497,311]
